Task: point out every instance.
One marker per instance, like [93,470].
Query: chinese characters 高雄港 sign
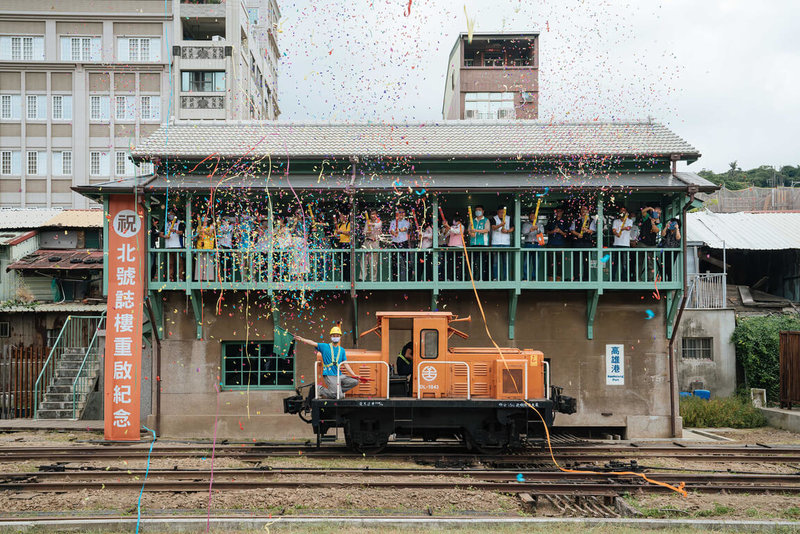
[615,365]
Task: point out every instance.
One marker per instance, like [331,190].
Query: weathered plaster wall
[718,374]
[554,322]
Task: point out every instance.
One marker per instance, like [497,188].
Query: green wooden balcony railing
[425,269]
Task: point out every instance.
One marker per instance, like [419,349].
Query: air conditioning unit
[217,38]
[469,114]
[527,96]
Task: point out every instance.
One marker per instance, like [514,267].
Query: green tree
[758,349]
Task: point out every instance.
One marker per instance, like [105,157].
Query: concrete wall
[718,374]
[554,322]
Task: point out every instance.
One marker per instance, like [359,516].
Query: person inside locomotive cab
[405,360]
[332,355]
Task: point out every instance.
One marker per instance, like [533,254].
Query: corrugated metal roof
[25,218]
[15,236]
[20,218]
[744,231]
[40,307]
[472,139]
[68,259]
[77,219]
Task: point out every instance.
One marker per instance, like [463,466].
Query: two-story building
[51,265]
[274,257]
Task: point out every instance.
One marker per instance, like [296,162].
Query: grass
[717,511]
[793,512]
[734,412]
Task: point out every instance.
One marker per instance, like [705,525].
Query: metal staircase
[59,397]
[70,373]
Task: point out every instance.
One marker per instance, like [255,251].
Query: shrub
[734,412]
[758,350]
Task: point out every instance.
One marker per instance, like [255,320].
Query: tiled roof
[744,231]
[468,139]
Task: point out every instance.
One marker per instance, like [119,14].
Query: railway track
[563,453]
[534,482]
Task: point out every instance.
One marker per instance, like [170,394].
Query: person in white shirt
[425,244]
[621,228]
[173,238]
[373,227]
[501,237]
[532,237]
[399,229]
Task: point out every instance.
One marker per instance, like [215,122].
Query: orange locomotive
[469,393]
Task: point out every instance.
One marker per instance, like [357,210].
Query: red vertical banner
[126,284]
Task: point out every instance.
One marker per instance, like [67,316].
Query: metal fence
[706,291]
[74,339]
[753,199]
[393,268]
[19,368]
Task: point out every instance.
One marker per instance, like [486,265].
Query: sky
[722,74]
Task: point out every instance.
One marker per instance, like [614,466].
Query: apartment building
[493,76]
[83,81]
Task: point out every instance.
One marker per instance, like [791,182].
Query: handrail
[355,362]
[100,325]
[547,380]
[434,362]
[45,367]
[64,338]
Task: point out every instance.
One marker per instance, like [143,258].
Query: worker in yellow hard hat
[334,359]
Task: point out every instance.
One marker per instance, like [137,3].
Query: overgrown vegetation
[758,350]
[734,412]
[763,176]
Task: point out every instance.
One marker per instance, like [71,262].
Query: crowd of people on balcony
[296,236]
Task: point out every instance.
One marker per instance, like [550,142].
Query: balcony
[202,52]
[202,9]
[312,269]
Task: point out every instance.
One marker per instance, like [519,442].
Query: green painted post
[187,243]
[105,246]
[517,243]
[599,235]
[271,253]
[148,223]
[435,259]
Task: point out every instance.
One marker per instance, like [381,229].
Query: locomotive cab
[489,398]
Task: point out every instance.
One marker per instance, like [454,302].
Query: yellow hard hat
[335,330]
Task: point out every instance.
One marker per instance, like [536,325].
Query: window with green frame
[255,365]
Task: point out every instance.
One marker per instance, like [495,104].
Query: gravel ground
[360,501]
[281,501]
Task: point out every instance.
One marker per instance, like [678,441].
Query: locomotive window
[429,341]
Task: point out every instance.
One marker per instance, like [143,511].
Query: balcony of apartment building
[202,8]
[202,64]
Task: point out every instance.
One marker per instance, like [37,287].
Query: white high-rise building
[82,81]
